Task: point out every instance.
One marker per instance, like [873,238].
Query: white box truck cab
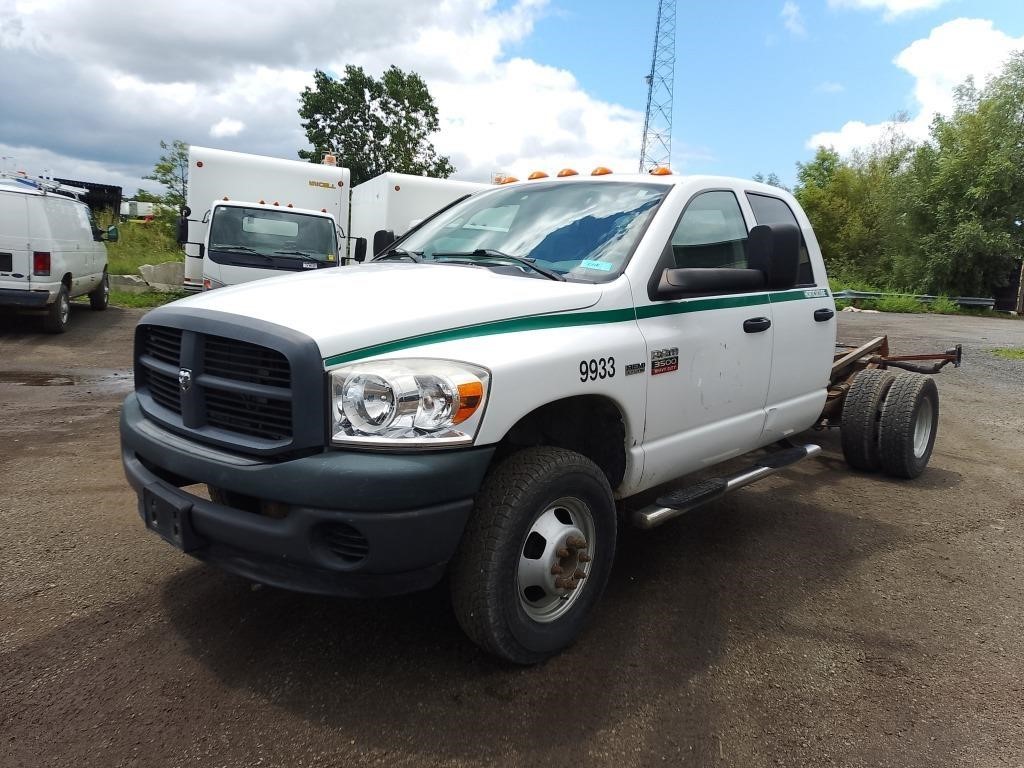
[51,250]
[489,397]
[387,206]
[249,216]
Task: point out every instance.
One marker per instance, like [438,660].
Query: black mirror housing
[677,282]
[382,238]
[775,251]
[360,250]
[182,230]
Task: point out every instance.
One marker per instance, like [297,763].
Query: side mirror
[182,230]
[682,281]
[382,238]
[113,235]
[775,251]
[202,249]
[360,250]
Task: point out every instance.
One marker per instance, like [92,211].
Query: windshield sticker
[664,360]
[600,266]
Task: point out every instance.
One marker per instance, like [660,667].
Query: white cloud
[892,8]
[87,102]
[830,86]
[792,19]
[226,127]
[950,54]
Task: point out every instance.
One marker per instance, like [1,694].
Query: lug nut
[576,542]
[556,570]
[562,552]
[579,575]
[584,557]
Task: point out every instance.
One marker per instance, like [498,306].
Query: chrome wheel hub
[555,559]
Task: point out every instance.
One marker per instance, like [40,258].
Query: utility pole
[656,149]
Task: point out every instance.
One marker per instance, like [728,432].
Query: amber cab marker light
[567,172]
[661,170]
[600,171]
[537,175]
[507,180]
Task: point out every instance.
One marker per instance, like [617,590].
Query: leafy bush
[943,305]
[899,303]
[140,243]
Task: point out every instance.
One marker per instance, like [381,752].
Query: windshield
[285,234]
[584,230]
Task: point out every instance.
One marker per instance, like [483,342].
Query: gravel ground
[821,617]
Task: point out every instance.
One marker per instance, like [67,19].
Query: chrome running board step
[686,499]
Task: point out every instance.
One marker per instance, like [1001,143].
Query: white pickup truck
[484,398]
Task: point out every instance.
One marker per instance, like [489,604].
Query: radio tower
[657,146]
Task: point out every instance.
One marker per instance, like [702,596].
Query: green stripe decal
[564,320]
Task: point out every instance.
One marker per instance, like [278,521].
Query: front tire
[99,297]
[58,313]
[536,554]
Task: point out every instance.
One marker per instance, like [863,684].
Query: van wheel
[910,421]
[862,408]
[536,554]
[58,313]
[99,297]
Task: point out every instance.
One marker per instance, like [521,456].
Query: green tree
[968,205]
[372,125]
[772,179]
[145,196]
[171,170]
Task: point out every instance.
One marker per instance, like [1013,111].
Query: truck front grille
[223,390]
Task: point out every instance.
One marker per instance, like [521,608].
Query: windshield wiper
[304,254]
[398,253]
[240,249]
[496,255]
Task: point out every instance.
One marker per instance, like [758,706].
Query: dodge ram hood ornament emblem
[184,379]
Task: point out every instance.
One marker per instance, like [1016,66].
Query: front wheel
[99,297]
[536,554]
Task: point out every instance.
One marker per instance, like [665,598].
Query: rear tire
[544,516]
[909,425]
[99,297]
[58,313]
[862,410]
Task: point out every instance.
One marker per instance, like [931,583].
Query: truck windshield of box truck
[258,237]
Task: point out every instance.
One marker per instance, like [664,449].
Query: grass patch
[899,303]
[145,300]
[943,305]
[1010,353]
[141,243]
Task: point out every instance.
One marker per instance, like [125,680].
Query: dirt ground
[821,617]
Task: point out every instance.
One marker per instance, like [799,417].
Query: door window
[771,210]
[711,233]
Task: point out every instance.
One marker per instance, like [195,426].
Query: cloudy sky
[88,89]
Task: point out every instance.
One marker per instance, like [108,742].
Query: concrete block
[128,284]
[170,273]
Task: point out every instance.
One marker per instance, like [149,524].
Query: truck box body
[398,201]
[216,174]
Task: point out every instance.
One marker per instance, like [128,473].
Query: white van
[50,250]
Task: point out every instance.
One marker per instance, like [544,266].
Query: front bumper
[398,517]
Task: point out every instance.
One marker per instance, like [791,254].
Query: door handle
[823,315]
[756,325]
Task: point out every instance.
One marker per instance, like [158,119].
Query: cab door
[709,355]
[805,333]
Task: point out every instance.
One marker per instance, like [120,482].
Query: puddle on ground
[108,380]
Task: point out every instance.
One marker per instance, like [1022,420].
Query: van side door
[805,332]
[709,355]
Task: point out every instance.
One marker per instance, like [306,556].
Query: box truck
[393,203]
[249,216]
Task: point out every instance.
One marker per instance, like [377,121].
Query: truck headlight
[407,403]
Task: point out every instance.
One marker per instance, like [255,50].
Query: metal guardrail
[963,301]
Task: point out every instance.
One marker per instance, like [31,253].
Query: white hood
[348,308]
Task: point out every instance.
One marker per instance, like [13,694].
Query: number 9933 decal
[601,368]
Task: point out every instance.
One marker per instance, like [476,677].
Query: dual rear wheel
[889,422]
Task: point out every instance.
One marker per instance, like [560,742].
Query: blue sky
[749,92]
[520,84]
